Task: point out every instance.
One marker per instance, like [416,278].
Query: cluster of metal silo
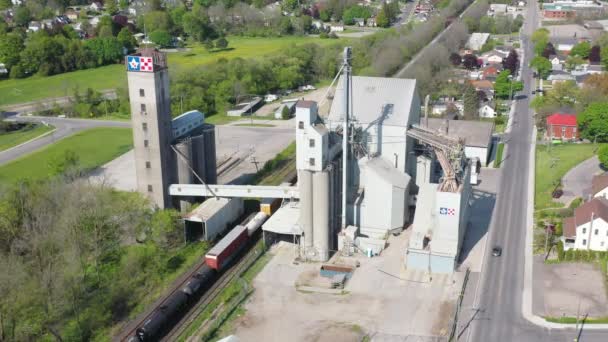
[317,212]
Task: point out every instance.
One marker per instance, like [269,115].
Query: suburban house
[561,127]
[564,45]
[359,22]
[599,185]
[493,57]
[490,72]
[483,85]
[588,228]
[96,6]
[557,76]
[486,111]
[371,22]
[557,62]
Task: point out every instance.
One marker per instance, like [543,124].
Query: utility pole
[255,162]
[578,312]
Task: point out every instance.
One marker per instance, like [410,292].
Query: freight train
[216,260]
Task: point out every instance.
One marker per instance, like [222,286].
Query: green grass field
[499,156]
[112,76]
[552,163]
[94,147]
[13,139]
[35,88]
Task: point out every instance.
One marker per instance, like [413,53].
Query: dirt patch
[337,332]
[441,324]
[568,284]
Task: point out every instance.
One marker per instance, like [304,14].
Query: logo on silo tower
[138,63]
[447,211]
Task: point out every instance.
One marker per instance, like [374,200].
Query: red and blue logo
[447,211]
[138,63]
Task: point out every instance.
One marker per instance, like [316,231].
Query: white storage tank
[320,200]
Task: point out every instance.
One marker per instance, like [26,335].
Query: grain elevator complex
[368,168]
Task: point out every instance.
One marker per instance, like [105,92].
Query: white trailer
[213,217]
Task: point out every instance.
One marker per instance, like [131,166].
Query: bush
[323,35]
[560,251]
[576,203]
[602,154]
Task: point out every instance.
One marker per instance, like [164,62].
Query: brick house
[561,127]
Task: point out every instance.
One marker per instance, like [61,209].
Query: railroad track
[216,289]
[129,330]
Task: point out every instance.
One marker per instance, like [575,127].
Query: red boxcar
[223,252]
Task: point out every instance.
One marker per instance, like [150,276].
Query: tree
[471,102]
[221,43]
[511,62]
[470,61]
[382,19]
[356,11]
[285,114]
[324,15]
[161,37]
[549,50]
[11,46]
[504,87]
[581,49]
[593,122]
[157,20]
[573,61]
[4,4]
[594,54]
[602,155]
[455,59]
[486,24]
[540,35]
[125,37]
[208,44]
[111,6]
[123,4]
[542,65]
[285,27]
[22,16]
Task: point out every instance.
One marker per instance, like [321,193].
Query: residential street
[498,297]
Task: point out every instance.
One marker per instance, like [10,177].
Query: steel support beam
[217,190]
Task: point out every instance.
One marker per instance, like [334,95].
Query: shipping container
[213,217]
[225,250]
[269,205]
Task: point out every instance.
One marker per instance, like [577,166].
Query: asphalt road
[63,128]
[499,297]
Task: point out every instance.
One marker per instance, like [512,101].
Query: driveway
[577,182]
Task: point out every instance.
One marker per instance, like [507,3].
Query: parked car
[270,98]
[497,251]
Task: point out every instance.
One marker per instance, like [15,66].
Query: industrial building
[477,135]
[166,151]
[361,171]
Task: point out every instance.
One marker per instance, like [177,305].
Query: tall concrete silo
[306,199]
[198,158]
[210,158]
[320,182]
[183,159]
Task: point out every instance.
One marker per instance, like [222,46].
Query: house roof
[596,207]
[482,84]
[599,183]
[377,97]
[305,104]
[474,133]
[561,119]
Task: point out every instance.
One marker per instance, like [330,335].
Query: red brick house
[562,127]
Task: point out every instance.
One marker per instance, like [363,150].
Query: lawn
[94,147]
[13,139]
[499,151]
[35,88]
[109,77]
[552,163]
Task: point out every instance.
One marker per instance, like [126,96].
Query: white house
[336,28]
[486,111]
[599,186]
[588,228]
[556,63]
[96,6]
[477,40]
[34,26]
